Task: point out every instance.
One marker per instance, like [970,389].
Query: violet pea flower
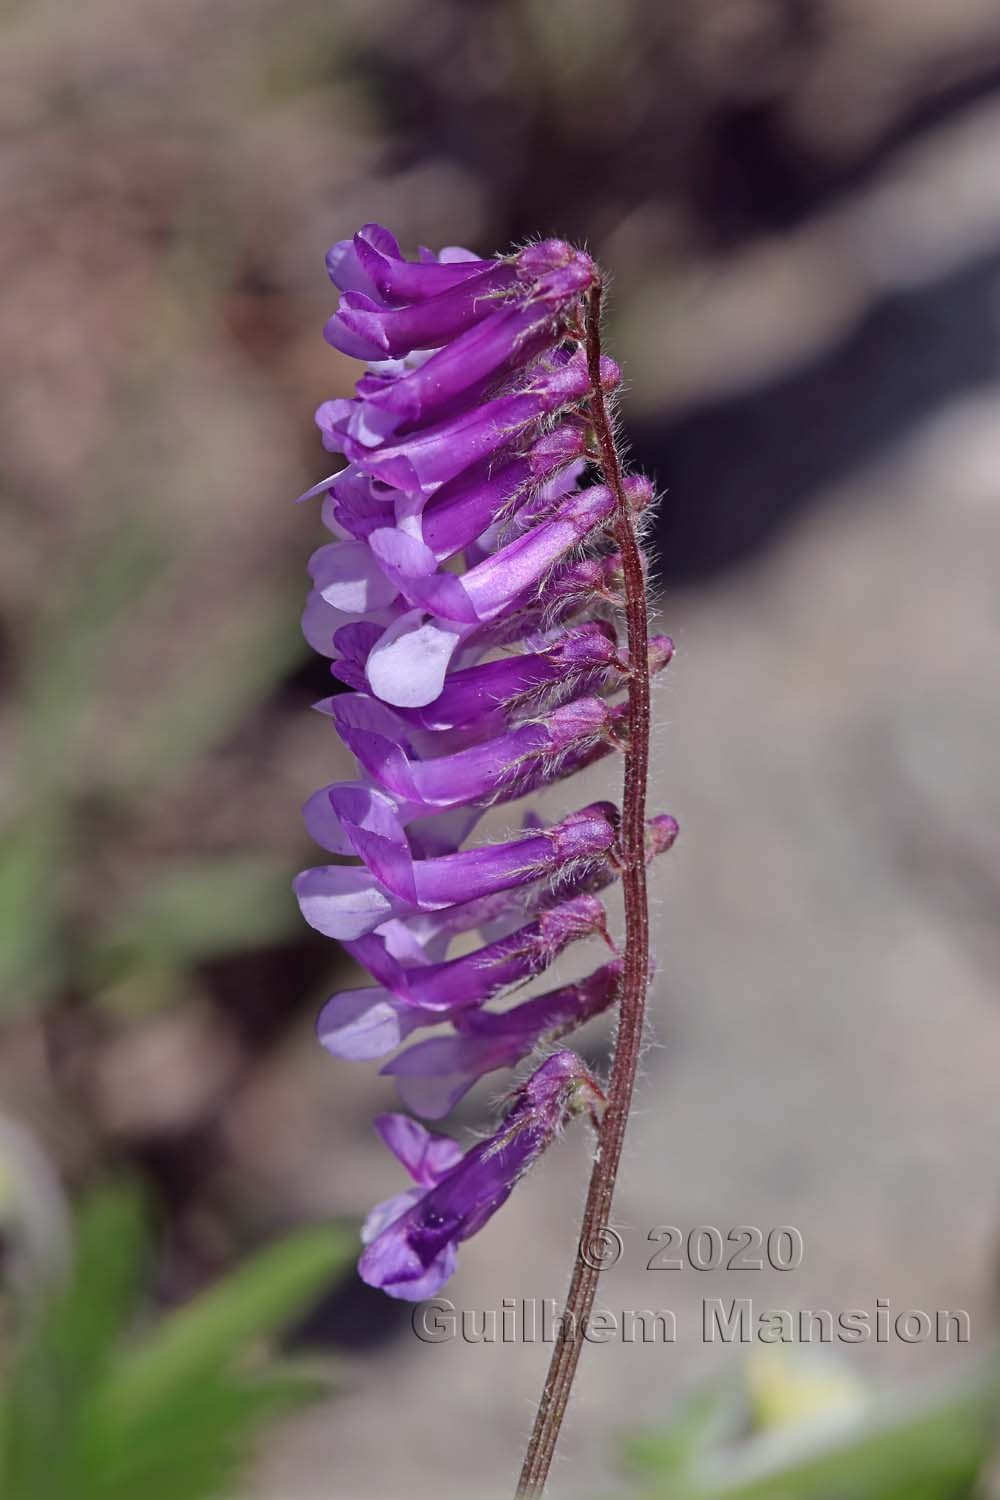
[371,1022]
[432,1076]
[411,1241]
[346,901]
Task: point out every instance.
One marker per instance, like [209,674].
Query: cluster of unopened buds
[469,607]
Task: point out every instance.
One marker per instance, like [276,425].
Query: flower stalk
[635,977]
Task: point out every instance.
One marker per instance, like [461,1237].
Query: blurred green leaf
[33,878]
[927,1446]
[67,765]
[701,1422]
[253,1301]
[111,563]
[195,910]
[88,1411]
[191,1444]
[65,1353]
[208,696]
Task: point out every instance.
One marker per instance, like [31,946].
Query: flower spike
[467,598]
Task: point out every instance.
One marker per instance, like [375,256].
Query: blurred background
[798,202]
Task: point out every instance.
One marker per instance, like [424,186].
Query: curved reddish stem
[632,1006]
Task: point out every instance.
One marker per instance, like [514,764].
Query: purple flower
[346,901]
[366,328]
[371,1022]
[432,1076]
[430,456]
[581,659]
[372,263]
[460,511]
[497,769]
[411,1240]
[505,333]
[467,598]
[405,957]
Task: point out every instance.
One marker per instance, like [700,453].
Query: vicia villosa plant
[486,545]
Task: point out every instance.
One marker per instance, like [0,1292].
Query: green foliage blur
[102,1401]
[84,764]
[791,1427]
